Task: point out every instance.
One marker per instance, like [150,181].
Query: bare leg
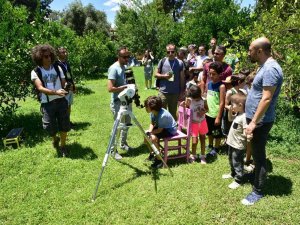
[248,151]
[194,145]
[202,144]
[217,143]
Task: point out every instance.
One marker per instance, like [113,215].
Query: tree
[146,26]
[34,7]
[215,18]
[84,19]
[15,62]
[174,7]
[281,25]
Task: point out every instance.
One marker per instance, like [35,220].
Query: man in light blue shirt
[115,84]
[260,110]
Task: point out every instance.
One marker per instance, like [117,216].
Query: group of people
[240,106]
[222,103]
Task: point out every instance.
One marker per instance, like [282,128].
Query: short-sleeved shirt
[200,59]
[197,107]
[236,137]
[213,99]
[164,120]
[268,75]
[51,81]
[166,86]
[116,72]
[227,71]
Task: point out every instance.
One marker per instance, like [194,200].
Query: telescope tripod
[113,141]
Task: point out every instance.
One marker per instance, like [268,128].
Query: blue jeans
[258,142]
[236,162]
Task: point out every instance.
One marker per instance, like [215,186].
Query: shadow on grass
[33,132]
[142,149]
[81,125]
[278,186]
[276,138]
[176,162]
[138,173]
[81,90]
[77,151]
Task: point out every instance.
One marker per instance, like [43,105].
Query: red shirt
[227,71]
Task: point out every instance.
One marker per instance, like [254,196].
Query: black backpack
[38,71]
[67,71]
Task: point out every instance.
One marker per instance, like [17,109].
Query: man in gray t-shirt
[170,73]
[115,84]
[260,110]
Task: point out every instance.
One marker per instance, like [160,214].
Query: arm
[157,130]
[262,107]
[151,56]
[143,60]
[159,75]
[221,105]
[227,99]
[150,128]
[111,86]
[38,84]
[203,81]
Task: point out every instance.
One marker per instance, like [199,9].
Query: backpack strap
[162,64]
[56,67]
[38,71]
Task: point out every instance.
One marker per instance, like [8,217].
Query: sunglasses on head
[169,52]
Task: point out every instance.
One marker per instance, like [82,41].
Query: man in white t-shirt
[199,59]
[49,80]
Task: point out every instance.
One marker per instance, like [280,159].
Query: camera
[68,86]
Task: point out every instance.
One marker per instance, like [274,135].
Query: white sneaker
[203,160]
[227,176]
[234,185]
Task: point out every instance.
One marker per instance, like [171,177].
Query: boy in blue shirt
[162,124]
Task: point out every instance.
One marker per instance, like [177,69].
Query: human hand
[249,130]
[61,92]
[202,112]
[217,121]
[249,137]
[168,75]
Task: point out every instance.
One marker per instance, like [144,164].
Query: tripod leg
[155,150]
[108,151]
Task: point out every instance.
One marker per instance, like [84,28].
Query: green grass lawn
[36,187]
